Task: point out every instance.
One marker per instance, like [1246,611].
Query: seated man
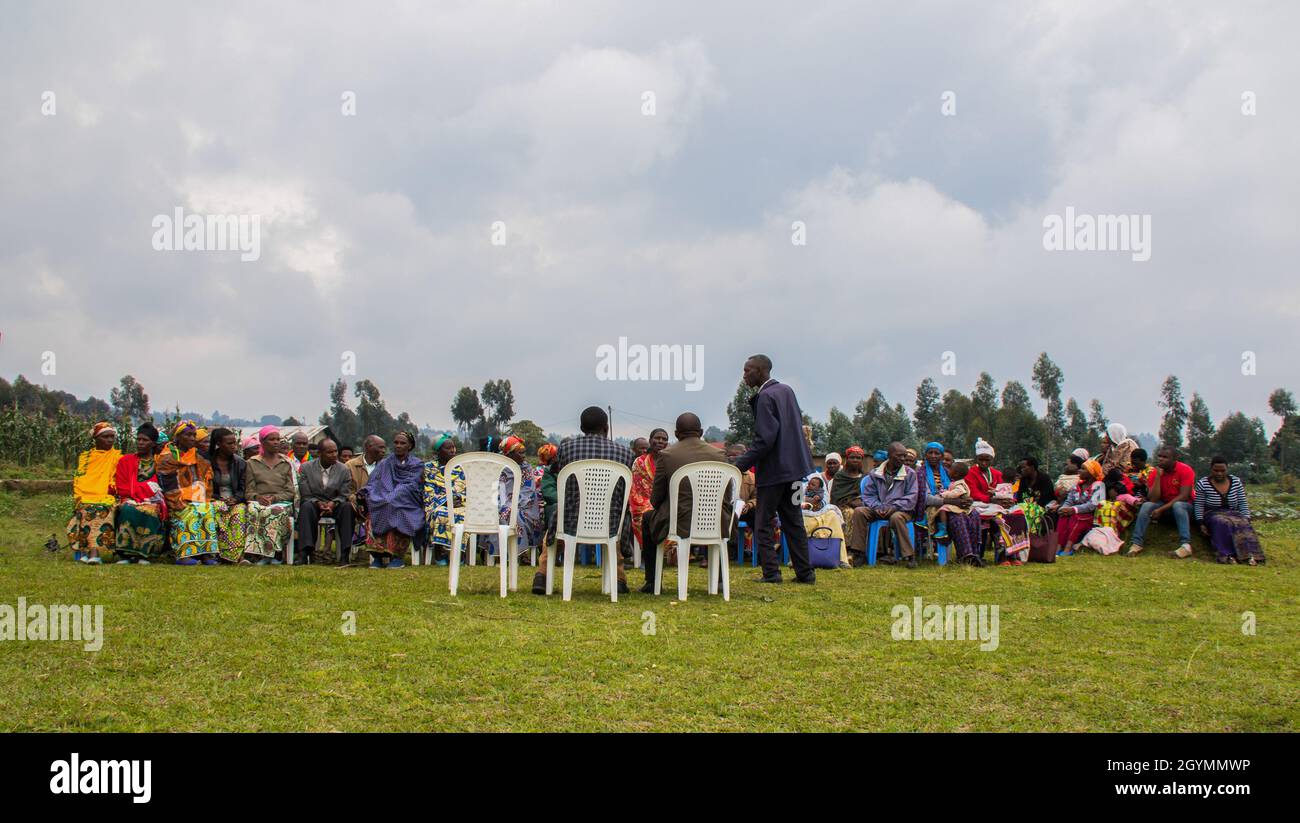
[324,486]
[889,493]
[1170,484]
[689,448]
[373,449]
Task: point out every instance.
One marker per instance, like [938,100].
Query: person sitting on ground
[271,485]
[690,448]
[1138,474]
[1112,515]
[888,493]
[819,514]
[91,527]
[956,499]
[141,508]
[1116,448]
[1170,497]
[1069,477]
[1224,517]
[1081,502]
[592,444]
[324,487]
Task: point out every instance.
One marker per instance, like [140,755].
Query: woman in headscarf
[530,524]
[186,480]
[1116,449]
[271,489]
[94,502]
[141,507]
[643,481]
[962,529]
[443,507]
[229,472]
[983,478]
[1076,514]
[546,483]
[394,497]
[250,446]
[823,518]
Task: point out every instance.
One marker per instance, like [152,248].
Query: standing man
[592,444]
[324,486]
[781,460]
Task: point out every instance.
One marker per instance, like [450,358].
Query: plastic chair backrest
[597,482]
[709,480]
[482,489]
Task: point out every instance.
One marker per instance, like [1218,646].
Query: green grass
[1089,643]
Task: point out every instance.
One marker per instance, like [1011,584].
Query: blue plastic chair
[940,549]
[753,556]
[873,539]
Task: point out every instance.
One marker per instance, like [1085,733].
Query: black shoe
[911,562]
[810,579]
[888,560]
[776,579]
[622,587]
[648,588]
[539,583]
[857,560]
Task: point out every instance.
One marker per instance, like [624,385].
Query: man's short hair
[1140,454]
[593,420]
[762,360]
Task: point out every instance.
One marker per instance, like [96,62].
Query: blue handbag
[823,552]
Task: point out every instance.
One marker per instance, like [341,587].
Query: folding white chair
[482,515]
[709,481]
[597,481]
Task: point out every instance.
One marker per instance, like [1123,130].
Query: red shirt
[980,488]
[1171,483]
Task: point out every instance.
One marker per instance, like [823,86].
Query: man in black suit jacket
[689,448]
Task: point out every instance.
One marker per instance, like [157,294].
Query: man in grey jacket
[324,486]
[781,459]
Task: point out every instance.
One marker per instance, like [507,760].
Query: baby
[956,489]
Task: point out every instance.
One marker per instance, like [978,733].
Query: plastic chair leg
[514,563]
[724,572]
[636,553]
[873,537]
[503,538]
[550,567]
[611,570]
[713,568]
[570,555]
[659,568]
[457,535]
[785,551]
[473,549]
[683,566]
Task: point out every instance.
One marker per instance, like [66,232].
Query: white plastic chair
[597,481]
[482,515]
[709,481]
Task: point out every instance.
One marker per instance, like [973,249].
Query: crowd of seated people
[200,497]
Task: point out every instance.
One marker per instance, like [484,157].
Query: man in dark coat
[781,460]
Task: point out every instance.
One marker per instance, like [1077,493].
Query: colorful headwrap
[442,438]
[200,434]
[834,456]
[1082,454]
[851,450]
[262,434]
[163,439]
[511,443]
[934,444]
[911,456]
[101,427]
[183,425]
[1094,469]
[250,442]
[983,446]
[1117,433]
[546,453]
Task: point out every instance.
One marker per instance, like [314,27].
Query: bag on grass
[1042,547]
[824,551]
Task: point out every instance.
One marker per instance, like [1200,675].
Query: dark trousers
[309,520]
[781,500]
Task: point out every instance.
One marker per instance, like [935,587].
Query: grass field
[1088,643]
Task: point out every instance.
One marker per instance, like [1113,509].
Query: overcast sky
[924,231]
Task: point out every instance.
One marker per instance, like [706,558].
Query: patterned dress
[441,517]
[141,510]
[643,483]
[186,480]
[530,526]
[91,524]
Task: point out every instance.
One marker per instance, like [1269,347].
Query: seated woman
[1220,507]
[1034,512]
[1116,448]
[141,507]
[229,470]
[818,513]
[1069,477]
[643,482]
[186,480]
[962,530]
[546,482]
[443,507]
[271,487]
[984,479]
[529,524]
[394,497]
[91,528]
[956,499]
[1081,502]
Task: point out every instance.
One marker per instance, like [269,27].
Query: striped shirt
[1234,500]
